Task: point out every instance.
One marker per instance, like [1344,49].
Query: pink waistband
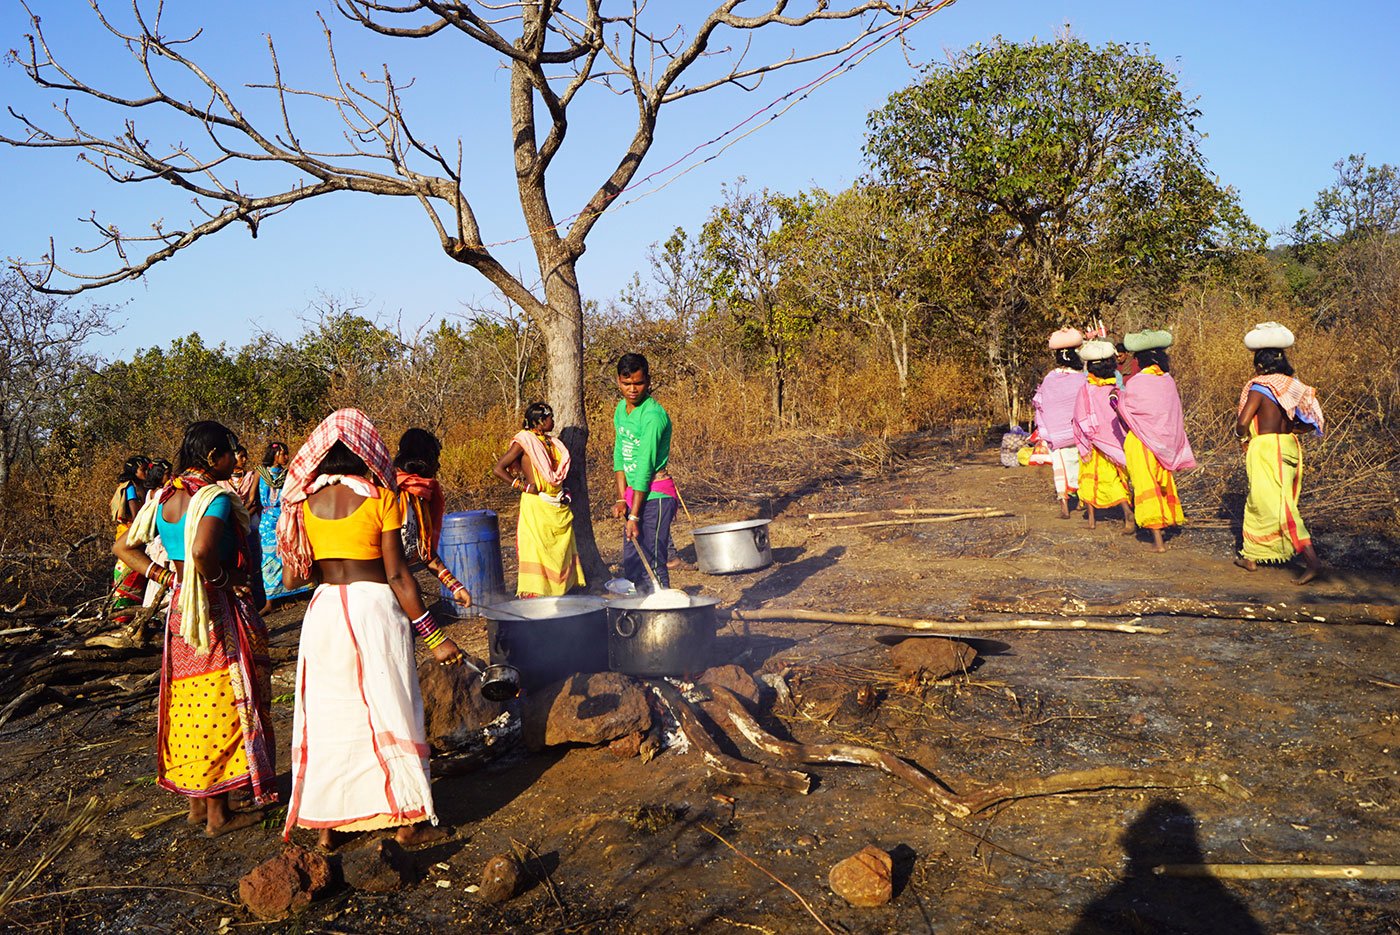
[664,485]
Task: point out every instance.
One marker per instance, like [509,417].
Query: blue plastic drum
[471,547]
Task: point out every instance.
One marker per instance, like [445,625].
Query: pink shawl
[1096,425]
[350,426]
[1054,406]
[1295,397]
[534,448]
[1151,408]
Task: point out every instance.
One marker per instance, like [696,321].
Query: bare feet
[1314,565]
[1064,509]
[1246,564]
[199,811]
[1157,544]
[414,835]
[329,839]
[232,822]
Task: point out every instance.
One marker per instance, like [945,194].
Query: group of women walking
[1112,417]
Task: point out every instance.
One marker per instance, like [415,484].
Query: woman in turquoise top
[214,732]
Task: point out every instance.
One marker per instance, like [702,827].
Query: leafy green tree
[1074,171]
[1363,202]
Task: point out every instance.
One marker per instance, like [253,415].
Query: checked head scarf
[350,426]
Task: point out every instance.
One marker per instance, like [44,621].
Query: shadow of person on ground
[1148,903]
[784,579]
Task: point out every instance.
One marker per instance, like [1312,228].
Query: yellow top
[356,535]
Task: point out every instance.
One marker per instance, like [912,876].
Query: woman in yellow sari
[536,464]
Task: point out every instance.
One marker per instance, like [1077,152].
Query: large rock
[591,709]
[866,878]
[734,678]
[500,878]
[285,884]
[454,712]
[383,867]
[931,658]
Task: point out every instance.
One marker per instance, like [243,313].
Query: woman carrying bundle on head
[271,476]
[1054,413]
[1275,408]
[1099,437]
[1156,445]
[215,725]
[359,750]
[420,496]
[536,464]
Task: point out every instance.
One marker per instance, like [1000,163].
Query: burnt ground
[1306,717]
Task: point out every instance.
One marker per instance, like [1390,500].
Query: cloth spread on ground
[214,719]
[643,444]
[1150,407]
[1293,396]
[1273,529]
[359,750]
[1054,406]
[1096,424]
[1155,501]
[422,498]
[352,427]
[544,539]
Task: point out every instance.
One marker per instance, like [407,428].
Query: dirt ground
[1305,717]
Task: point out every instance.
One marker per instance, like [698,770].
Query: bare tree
[41,361]
[512,341]
[554,50]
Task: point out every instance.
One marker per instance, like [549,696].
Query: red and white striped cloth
[350,426]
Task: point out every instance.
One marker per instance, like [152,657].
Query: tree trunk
[562,328]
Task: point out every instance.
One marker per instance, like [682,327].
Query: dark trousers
[654,537]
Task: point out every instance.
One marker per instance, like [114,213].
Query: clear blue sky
[1286,88]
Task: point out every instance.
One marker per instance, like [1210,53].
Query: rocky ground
[1289,729]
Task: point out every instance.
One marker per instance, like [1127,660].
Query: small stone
[931,658]
[625,748]
[866,878]
[1137,719]
[805,840]
[500,878]
[285,884]
[384,867]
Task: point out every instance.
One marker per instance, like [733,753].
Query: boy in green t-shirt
[646,494]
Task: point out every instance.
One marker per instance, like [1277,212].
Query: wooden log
[18,701]
[717,760]
[939,627]
[1282,871]
[1277,611]
[913,511]
[792,752]
[983,514]
[968,803]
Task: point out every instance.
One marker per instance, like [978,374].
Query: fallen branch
[1282,871]
[982,514]
[962,806]
[938,626]
[8,711]
[720,762]
[1280,612]
[805,905]
[917,511]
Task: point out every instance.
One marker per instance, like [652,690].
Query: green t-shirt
[643,444]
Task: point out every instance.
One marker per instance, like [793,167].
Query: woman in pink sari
[1054,413]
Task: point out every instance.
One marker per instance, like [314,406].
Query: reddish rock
[285,884]
[866,878]
[591,709]
[383,867]
[454,712]
[624,748]
[500,878]
[734,678]
[931,658]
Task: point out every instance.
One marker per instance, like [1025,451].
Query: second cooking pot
[548,638]
[729,547]
[660,641]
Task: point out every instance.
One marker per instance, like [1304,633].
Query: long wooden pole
[1282,871]
[938,626]
[1278,611]
[982,514]
[914,511]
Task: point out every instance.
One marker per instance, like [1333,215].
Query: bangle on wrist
[633,519]
[435,639]
[149,565]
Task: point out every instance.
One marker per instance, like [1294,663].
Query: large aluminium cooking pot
[548,638]
[730,547]
[660,641]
